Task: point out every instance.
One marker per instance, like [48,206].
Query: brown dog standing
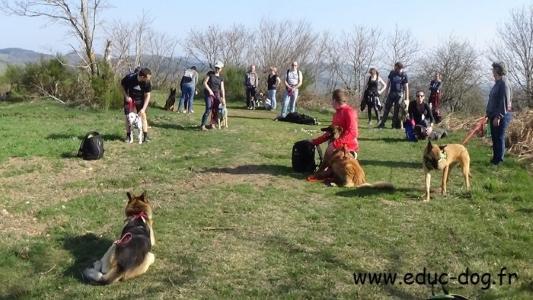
[443,158]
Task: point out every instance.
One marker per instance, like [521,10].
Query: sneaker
[203,128]
[191,111]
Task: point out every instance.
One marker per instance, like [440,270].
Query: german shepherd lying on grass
[129,256]
[342,168]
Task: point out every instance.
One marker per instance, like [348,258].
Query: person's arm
[278,81]
[300,79]
[222,94]
[206,86]
[383,84]
[406,87]
[256,80]
[146,102]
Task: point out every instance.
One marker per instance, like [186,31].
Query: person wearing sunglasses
[420,116]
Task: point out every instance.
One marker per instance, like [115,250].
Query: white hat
[219,64]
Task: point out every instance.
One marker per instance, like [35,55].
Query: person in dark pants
[371,95]
[434,97]
[251,81]
[214,94]
[498,111]
[136,88]
[398,89]
[420,115]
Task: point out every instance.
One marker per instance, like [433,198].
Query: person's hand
[141,111]
[195,92]
[211,94]
[496,122]
[128,99]
[429,130]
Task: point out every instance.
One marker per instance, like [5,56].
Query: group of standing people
[137,88]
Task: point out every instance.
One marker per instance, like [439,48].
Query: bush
[107,90]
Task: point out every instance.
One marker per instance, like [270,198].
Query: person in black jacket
[420,116]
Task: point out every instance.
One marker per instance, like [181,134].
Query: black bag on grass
[92,146]
[299,118]
[303,156]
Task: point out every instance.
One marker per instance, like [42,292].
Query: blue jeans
[498,138]
[272,96]
[187,96]
[289,103]
[209,100]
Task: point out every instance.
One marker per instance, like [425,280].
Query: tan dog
[342,167]
[444,158]
[129,256]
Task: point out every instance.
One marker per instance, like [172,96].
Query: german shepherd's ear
[143,197]
[129,196]
[429,146]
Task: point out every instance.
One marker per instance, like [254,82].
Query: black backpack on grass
[92,146]
[303,156]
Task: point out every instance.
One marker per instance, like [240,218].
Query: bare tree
[203,45]
[402,47]
[81,17]
[354,52]
[160,58]
[515,48]
[459,65]
[278,44]
[235,44]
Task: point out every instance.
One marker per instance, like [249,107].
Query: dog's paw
[91,274]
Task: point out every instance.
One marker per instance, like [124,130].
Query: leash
[478,129]
[127,237]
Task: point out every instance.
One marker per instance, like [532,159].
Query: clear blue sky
[429,21]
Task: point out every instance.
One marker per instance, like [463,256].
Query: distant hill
[18,56]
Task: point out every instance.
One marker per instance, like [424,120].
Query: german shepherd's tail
[383,185]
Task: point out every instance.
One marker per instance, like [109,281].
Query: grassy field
[233,221]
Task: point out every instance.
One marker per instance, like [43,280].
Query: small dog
[171,100]
[129,256]
[135,123]
[342,167]
[222,116]
[444,158]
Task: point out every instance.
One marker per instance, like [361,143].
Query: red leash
[479,129]
[126,238]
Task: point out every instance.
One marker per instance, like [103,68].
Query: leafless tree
[81,17]
[515,48]
[351,56]
[235,44]
[402,47]
[160,58]
[279,43]
[459,65]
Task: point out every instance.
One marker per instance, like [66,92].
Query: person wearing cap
[498,112]
[188,87]
[214,95]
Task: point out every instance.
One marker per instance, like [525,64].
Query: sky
[430,22]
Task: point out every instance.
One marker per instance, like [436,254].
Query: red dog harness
[126,238]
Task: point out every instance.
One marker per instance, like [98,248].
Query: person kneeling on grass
[346,117]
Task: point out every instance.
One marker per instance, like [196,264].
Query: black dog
[171,100]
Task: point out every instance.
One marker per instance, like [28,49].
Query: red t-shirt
[346,117]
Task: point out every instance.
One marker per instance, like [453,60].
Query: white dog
[135,122]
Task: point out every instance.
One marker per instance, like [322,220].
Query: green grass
[233,221]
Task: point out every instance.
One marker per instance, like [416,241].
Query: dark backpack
[92,146]
[299,118]
[303,156]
